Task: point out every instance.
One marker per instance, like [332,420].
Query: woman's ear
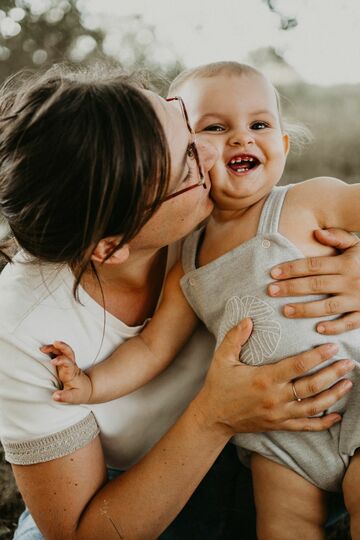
[106,246]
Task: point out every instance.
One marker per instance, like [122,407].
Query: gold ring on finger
[296,395]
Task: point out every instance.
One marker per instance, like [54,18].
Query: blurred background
[309,48]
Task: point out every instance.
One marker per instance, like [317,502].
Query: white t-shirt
[37,307]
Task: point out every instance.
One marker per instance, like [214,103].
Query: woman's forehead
[171,119]
[168,113]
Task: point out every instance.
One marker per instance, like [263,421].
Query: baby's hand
[77,387]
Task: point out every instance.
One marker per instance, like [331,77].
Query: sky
[324,48]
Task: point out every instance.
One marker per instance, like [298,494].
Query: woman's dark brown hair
[82,156]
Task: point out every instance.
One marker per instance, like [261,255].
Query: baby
[224,276]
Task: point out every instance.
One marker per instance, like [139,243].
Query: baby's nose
[241,138]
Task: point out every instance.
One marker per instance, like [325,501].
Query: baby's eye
[214,127]
[259,125]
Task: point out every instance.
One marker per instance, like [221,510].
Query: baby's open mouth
[243,163]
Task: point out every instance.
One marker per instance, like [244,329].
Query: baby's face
[239,115]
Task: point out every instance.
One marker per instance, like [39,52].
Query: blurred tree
[41,32]
[37,33]
[133,43]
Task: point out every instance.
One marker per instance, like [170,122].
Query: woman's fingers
[321,402]
[314,266]
[250,399]
[336,238]
[333,305]
[315,383]
[297,366]
[235,339]
[309,424]
[350,321]
[324,284]
[310,266]
[337,276]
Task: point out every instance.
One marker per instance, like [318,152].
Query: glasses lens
[193,147]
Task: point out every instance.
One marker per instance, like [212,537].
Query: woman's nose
[208,153]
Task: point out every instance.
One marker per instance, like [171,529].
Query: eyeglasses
[192,152]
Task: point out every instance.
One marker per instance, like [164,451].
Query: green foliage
[37,33]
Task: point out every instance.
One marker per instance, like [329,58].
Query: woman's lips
[243,163]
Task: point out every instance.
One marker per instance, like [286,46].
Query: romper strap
[270,215]
[189,250]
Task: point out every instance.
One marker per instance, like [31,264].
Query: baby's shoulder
[312,191]
[305,210]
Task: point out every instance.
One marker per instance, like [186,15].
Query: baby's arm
[138,360]
[334,202]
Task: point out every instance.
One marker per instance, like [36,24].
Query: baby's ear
[286,143]
[106,246]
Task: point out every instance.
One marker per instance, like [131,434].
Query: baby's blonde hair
[214,69]
[299,134]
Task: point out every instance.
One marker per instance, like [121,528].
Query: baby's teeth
[233,161]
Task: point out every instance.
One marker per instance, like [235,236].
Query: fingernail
[349,364]
[321,328]
[245,322]
[326,232]
[56,397]
[276,272]
[274,290]
[289,311]
[347,385]
[332,347]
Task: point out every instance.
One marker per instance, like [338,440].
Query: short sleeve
[33,427]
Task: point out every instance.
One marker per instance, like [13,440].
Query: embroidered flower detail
[266,332]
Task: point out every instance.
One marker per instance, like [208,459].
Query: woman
[99,180]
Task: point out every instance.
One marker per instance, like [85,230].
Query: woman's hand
[143,501]
[242,398]
[338,276]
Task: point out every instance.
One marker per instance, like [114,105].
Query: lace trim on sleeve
[52,446]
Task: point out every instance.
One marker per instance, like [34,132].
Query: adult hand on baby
[337,276]
[77,387]
[243,398]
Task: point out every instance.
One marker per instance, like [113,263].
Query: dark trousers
[222,507]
